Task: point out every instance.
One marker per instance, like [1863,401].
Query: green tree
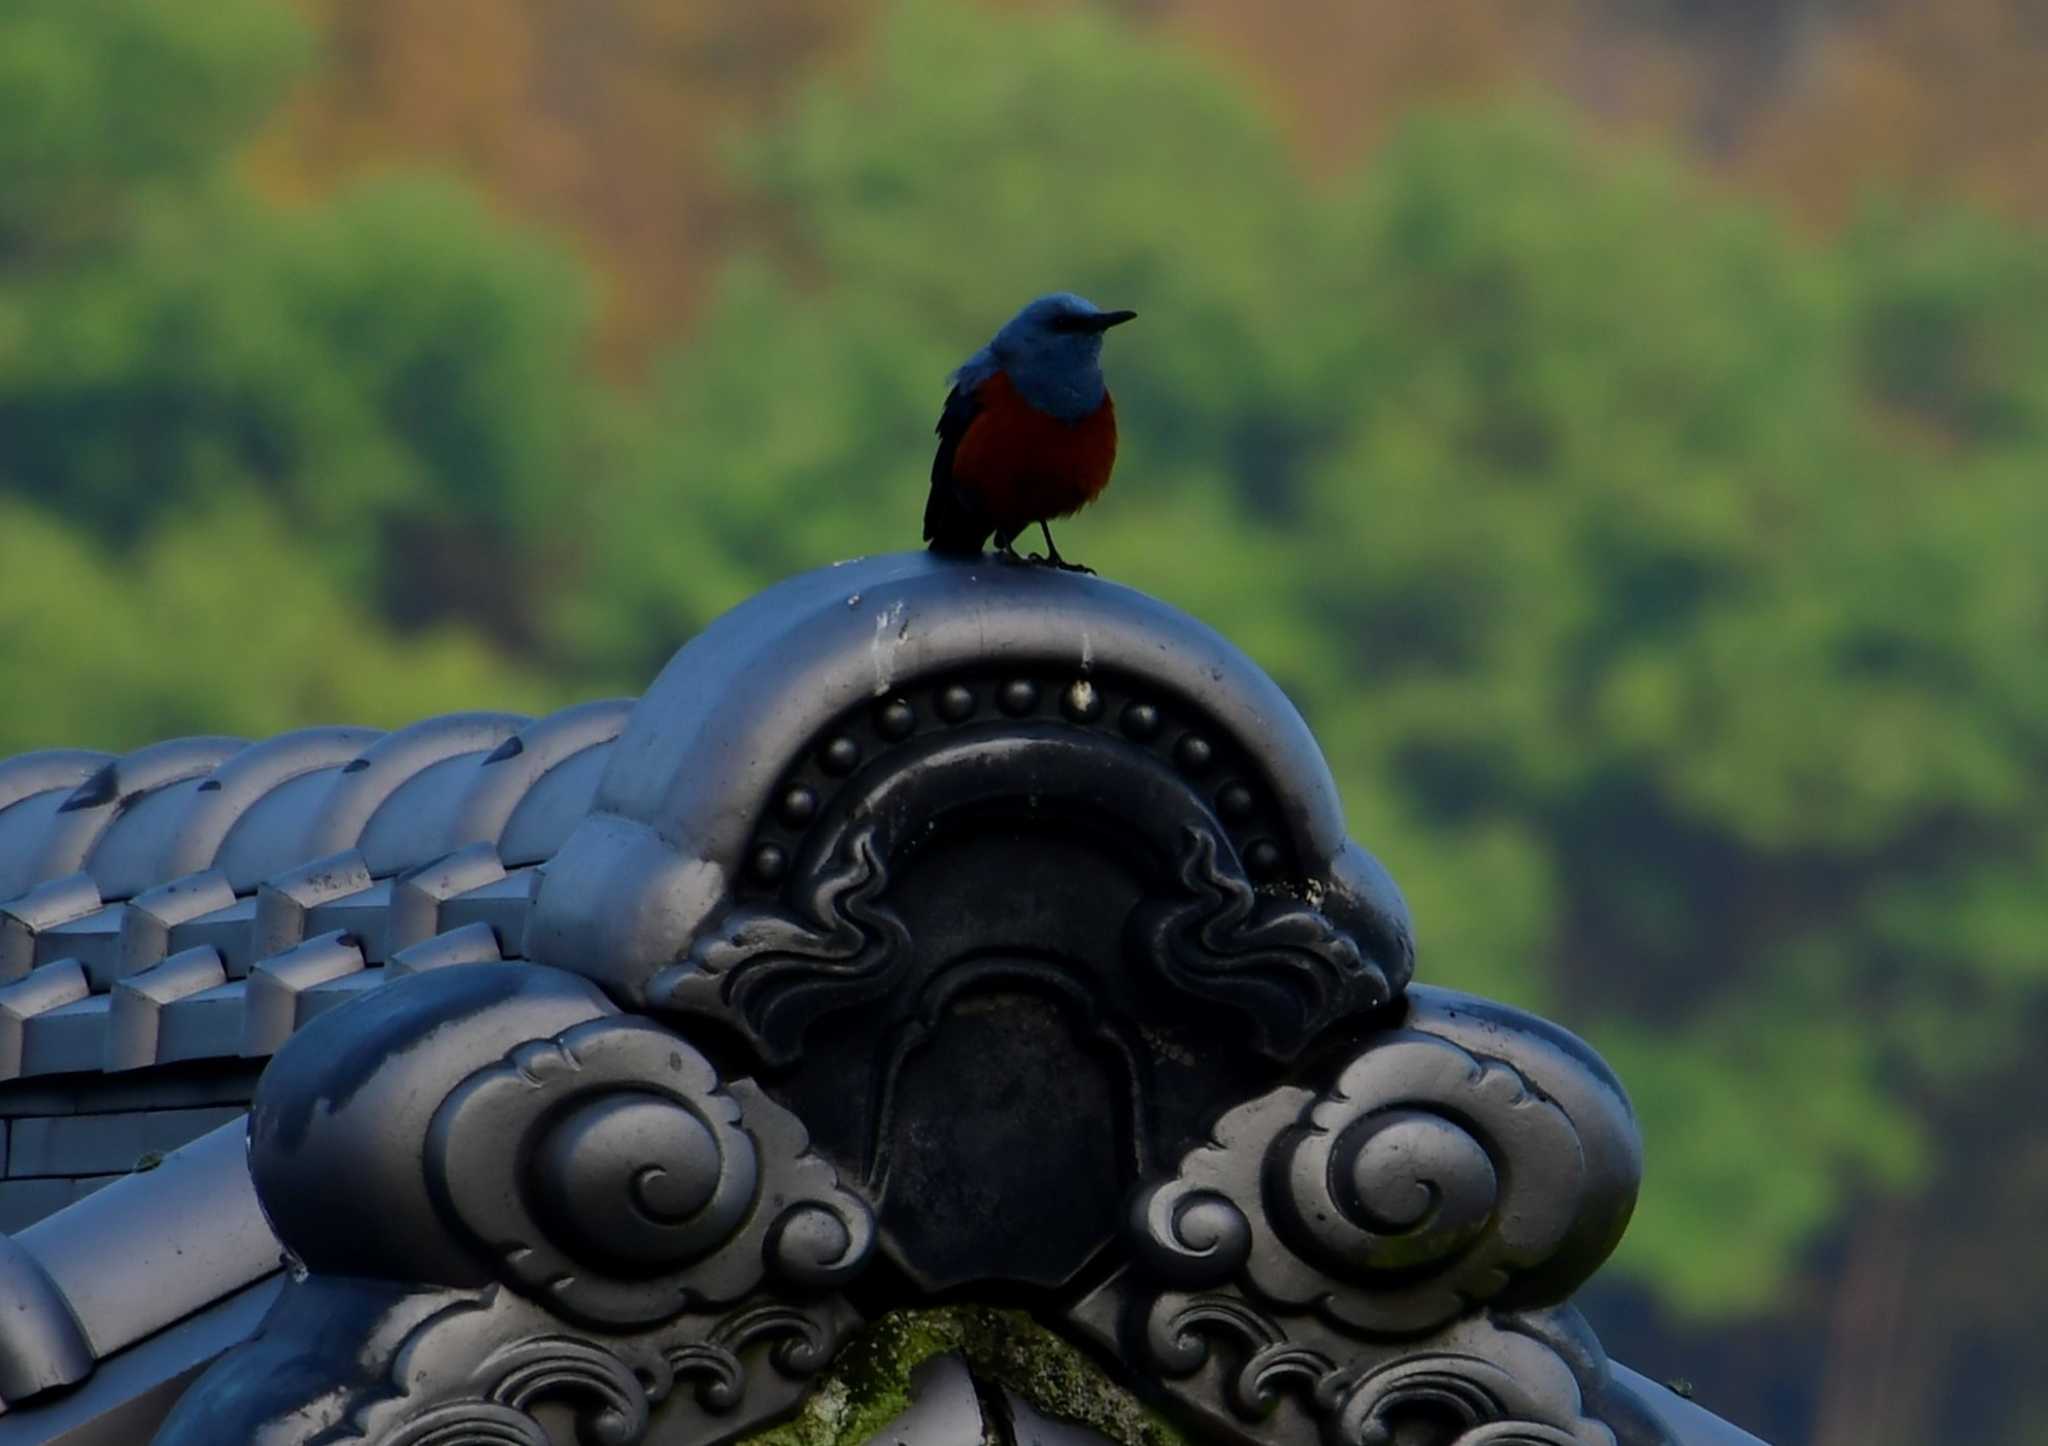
[393,371]
[259,467]
[113,106]
[214,623]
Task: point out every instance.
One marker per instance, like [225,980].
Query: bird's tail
[952,526]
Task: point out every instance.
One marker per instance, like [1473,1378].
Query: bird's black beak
[1104,320]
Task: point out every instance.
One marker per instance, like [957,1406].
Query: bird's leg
[1006,552]
[1052,554]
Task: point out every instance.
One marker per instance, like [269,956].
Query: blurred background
[1622,426]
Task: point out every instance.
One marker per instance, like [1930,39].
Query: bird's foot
[1052,558]
[1008,554]
[1052,553]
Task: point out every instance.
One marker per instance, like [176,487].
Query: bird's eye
[1070,321]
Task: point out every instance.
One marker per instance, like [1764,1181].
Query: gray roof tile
[44,907]
[547,774]
[251,775]
[277,988]
[411,826]
[94,940]
[206,1025]
[32,788]
[270,837]
[282,902]
[383,768]
[127,858]
[44,989]
[78,1144]
[67,1039]
[45,770]
[417,896]
[230,929]
[95,806]
[503,906]
[134,1027]
[470,944]
[329,993]
[173,872]
[363,916]
[24,834]
[147,921]
[191,1228]
[550,811]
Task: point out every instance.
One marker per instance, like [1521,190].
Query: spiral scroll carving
[1374,1261]
[1474,1384]
[606,1171]
[1424,1181]
[1178,1332]
[488,1367]
[1483,1386]
[1190,1235]
[802,1347]
[1290,970]
[774,968]
[1419,1185]
[609,1398]
[473,1423]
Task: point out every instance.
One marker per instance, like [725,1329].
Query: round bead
[1263,859]
[1018,697]
[1194,753]
[1235,801]
[1141,721]
[896,719]
[1081,701]
[841,755]
[956,701]
[799,806]
[769,863]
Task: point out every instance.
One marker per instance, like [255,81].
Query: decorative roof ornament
[929,931]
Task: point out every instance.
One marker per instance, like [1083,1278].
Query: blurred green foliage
[394,377]
[1666,589]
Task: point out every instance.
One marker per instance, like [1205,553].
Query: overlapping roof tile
[198,898]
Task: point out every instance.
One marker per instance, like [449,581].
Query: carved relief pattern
[802,1346]
[1118,710]
[609,1397]
[479,1370]
[1476,1383]
[774,968]
[1289,969]
[1366,1256]
[1012,930]
[606,1171]
[1336,1248]
[807,932]
[1417,1186]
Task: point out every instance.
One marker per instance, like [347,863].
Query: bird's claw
[1014,558]
[1039,559]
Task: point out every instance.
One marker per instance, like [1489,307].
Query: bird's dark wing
[953,522]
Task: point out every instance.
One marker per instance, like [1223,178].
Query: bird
[1028,432]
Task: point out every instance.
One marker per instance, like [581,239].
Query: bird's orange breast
[1028,466]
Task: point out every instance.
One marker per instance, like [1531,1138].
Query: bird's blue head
[1052,351]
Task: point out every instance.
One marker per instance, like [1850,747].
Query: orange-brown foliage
[601,117]
[605,117]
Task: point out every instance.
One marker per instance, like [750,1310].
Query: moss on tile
[869,1385]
